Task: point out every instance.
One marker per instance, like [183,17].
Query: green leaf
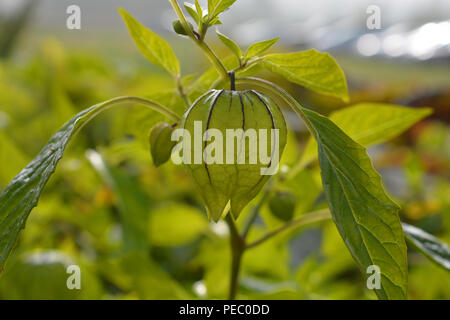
[370,124]
[314,70]
[431,247]
[199,9]
[152,46]
[216,7]
[22,193]
[365,216]
[230,44]
[215,21]
[259,48]
[193,12]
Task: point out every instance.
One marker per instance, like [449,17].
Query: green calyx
[161,144]
[233,141]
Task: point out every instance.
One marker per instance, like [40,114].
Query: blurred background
[138,232]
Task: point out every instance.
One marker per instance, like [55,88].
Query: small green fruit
[232,171]
[282,205]
[161,144]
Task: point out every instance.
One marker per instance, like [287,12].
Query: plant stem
[199,41]
[232,81]
[306,219]
[246,65]
[213,58]
[237,249]
[176,7]
[181,92]
[130,99]
[254,213]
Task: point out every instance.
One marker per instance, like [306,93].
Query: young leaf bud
[179,28]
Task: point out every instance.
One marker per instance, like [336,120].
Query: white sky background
[250,20]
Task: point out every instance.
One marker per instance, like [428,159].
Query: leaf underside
[365,216]
[434,249]
[22,194]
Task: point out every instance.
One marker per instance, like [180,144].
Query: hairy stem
[304,220]
[199,41]
[237,249]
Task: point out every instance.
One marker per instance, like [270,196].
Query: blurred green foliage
[138,232]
